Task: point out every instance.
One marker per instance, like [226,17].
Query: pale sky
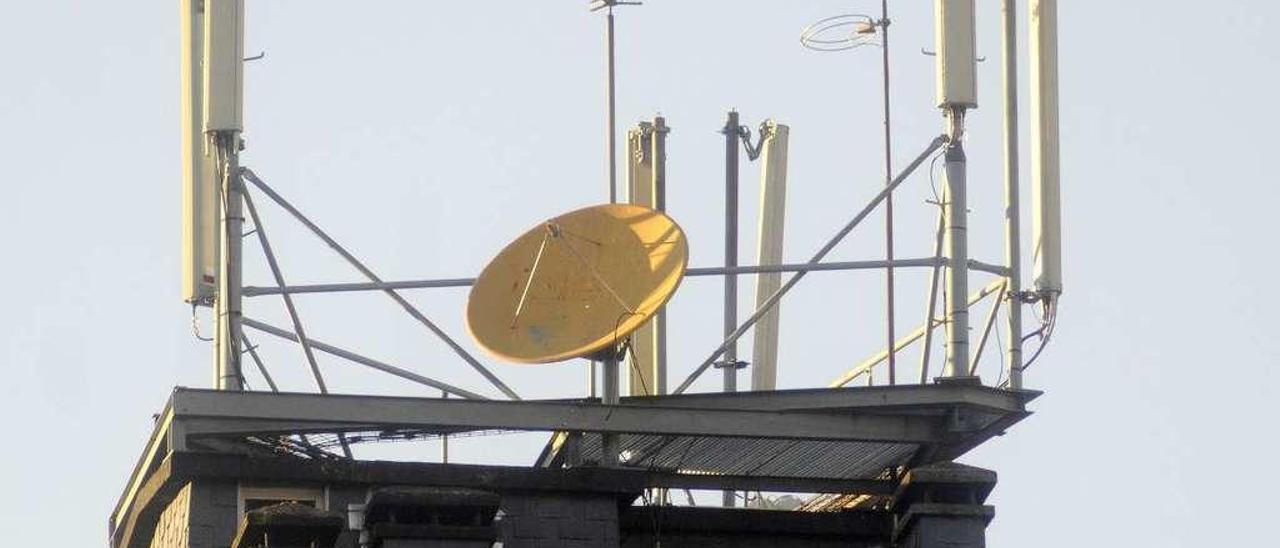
[424,135]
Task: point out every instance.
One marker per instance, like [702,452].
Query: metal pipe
[888,201]
[986,329]
[1012,203]
[937,143]
[660,131]
[368,362]
[257,360]
[729,365]
[612,124]
[922,331]
[408,307]
[609,450]
[293,311]
[957,248]
[227,303]
[444,438]
[931,308]
[255,291]
[730,131]
[928,262]
[274,265]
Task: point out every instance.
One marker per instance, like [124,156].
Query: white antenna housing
[1046,200]
[773,208]
[223,65]
[957,56]
[646,171]
[200,207]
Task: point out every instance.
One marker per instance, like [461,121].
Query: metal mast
[223,121]
[956,93]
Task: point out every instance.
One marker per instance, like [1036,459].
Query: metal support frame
[303,343]
[907,414]
[360,266]
[368,362]
[257,361]
[274,265]
[888,201]
[937,143]
[987,325]
[694,272]
[931,306]
[227,302]
[729,366]
[612,394]
[610,92]
[1012,205]
[223,413]
[924,331]
[956,244]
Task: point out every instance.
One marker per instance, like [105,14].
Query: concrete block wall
[201,515]
[213,514]
[544,521]
[172,527]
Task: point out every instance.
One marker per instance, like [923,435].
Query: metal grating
[755,456]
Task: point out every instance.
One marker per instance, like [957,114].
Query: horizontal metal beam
[929,262]
[770,483]
[224,412]
[368,362]
[907,397]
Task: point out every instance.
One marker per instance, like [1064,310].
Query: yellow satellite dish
[577,284]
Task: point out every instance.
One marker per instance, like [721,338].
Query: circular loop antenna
[840,32]
[577,284]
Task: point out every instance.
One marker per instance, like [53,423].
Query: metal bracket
[736,364]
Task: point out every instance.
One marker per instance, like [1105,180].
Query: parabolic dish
[577,284]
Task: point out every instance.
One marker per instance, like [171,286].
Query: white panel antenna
[200,208]
[957,57]
[646,173]
[224,65]
[1046,201]
[773,205]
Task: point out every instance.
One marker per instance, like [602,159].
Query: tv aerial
[577,285]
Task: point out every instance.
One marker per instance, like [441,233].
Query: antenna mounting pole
[223,119]
[611,123]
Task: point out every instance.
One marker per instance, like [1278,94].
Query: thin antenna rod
[612,124]
[888,202]
[408,307]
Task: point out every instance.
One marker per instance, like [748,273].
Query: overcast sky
[424,135]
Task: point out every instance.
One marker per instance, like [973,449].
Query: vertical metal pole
[957,247]
[609,442]
[591,379]
[730,366]
[1012,216]
[888,201]
[444,439]
[932,306]
[660,131]
[731,128]
[611,128]
[227,302]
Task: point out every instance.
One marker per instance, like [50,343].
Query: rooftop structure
[875,464]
